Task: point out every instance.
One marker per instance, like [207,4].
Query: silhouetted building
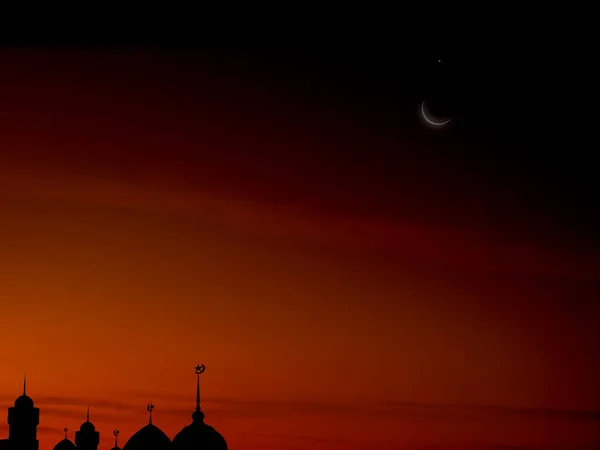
[149,437]
[65,444]
[87,438]
[24,418]
[198,435]
[116,447]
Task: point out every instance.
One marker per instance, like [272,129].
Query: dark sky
[289,208]
[516,126]
[516,147]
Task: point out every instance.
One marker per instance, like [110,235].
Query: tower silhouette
[87,438]
[23,419]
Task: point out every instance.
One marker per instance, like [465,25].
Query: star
[198,368]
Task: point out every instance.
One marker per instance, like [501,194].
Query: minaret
[87,438]
[198,415]
[23,419]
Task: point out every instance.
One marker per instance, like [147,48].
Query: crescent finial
[200,369]
[116,432]
[150,408]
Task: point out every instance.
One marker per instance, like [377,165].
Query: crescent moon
[435,123]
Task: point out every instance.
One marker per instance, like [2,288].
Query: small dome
[65,444]
[87,427]
[24,401]
[149,437]
[199,435]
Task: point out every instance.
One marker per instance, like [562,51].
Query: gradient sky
[349,278]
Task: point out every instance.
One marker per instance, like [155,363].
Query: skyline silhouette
[24,418]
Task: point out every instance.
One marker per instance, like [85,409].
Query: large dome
[199,436]
[65,444]
[148,438]
[24,401]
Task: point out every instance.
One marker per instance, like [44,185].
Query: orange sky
[324,321]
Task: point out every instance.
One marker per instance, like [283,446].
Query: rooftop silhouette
[23,420]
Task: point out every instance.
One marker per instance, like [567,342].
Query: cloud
[593,416]
[75,407]
[74,401]
[299,441]
[296,438]
[388,408]
[172,404]
[79,417]
[40,428]
[469,248]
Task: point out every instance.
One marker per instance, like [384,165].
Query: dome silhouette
[149,437]
[197,436]
[87,427]
[24,401]
[65,444]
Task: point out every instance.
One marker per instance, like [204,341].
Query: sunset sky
[350,279]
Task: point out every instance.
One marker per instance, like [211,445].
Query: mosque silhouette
[24,417]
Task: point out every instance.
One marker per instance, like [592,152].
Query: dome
[198,435]
[24,401]
[87,427]
[148,438]
[65,444]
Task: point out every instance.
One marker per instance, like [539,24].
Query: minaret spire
[66,430]
[25,384]
[198,415]
[198,393]
[87,418]
[199,369]
[116,433]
